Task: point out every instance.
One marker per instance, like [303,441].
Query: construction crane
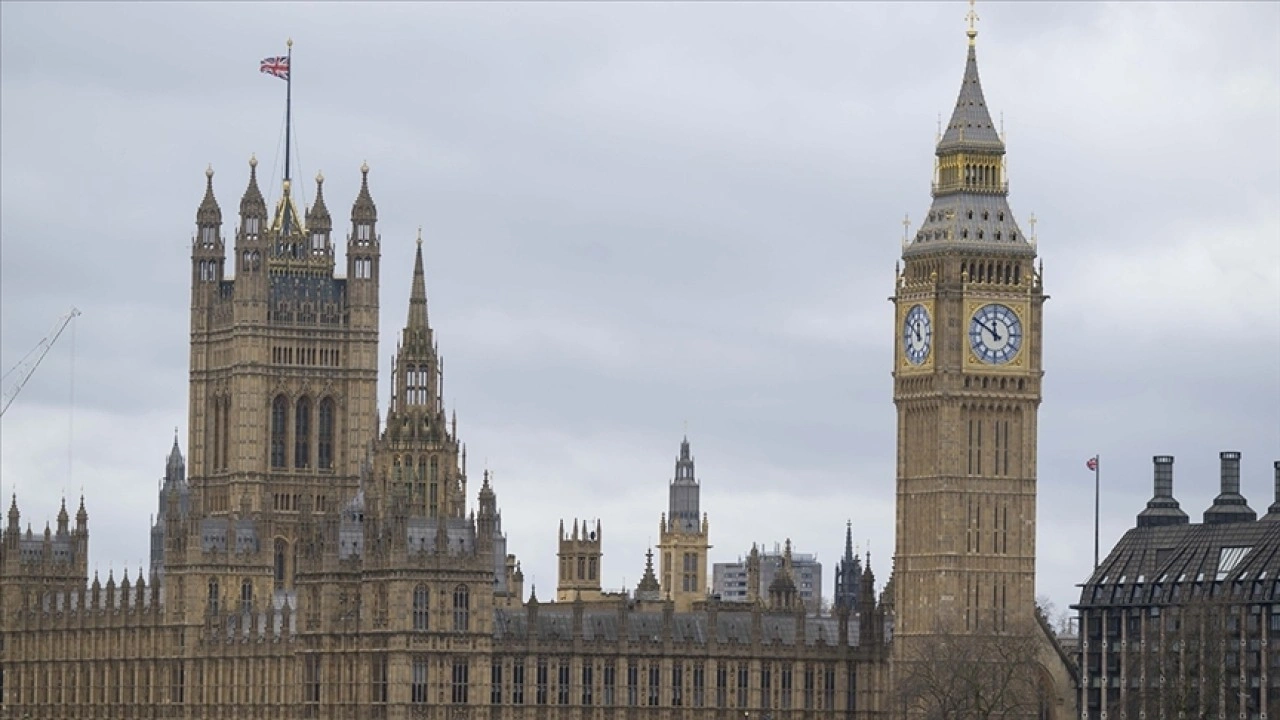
[31,361]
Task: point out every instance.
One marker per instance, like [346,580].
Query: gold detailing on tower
[253,160]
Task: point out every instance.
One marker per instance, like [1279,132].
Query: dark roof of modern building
[1169,564]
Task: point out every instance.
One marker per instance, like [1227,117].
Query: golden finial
[253,160]
[208,172]
[286,187]
[420,245]
[319,178]
[288,43]
[364,167]
[972,17]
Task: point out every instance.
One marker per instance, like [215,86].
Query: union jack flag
[278,66]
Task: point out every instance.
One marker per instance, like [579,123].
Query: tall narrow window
[213,596]
[460,682]
[302,434]
[246,595]
[517,681]
[324,442]
[225,438]
[495,683]
[433,502]
[281,547]
[217,433]
[461,609]
[418,689]
[421,607]
[378,676]
[279,412]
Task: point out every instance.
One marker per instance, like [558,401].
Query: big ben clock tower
[967,377]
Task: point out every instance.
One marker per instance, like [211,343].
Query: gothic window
[699,684]
[461,609]
[517,681]
[302,434]
[677,684]
[317,241]
[364,232]
[588,684]
[655,682]
[459,685]
[495,682]
[540,682]
[251,225]
[311,679]
[379,677]
[421,607]
[246,594]
[591,569]
[766,684]
[562,682]
[418,689]
[279,412]
[324,444]
[281,547]
[582,568]
[743,683]
[213,596]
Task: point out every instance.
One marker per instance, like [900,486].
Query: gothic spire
[970,208]
[418,295]
[318,218]
[970,127]
[363,209]
[252,202]
[209,214]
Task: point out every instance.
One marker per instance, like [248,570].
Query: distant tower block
[580,553]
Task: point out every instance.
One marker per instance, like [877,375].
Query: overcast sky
[641,215]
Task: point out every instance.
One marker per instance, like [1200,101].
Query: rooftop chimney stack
[1230,506]
[1162,509]
[1274,510]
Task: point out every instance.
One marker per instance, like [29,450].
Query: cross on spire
[972,17]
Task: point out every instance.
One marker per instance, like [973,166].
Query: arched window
[279,411]
[324,444]
[302,434]
[421,607]
[213,596]
[461,609]
[282,547]
[246,594]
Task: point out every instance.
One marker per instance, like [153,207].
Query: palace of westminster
[311,559]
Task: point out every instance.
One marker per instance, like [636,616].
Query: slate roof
[970,218]
[970,127]
[1168,564]
[732,628]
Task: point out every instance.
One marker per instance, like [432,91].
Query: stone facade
[311,560]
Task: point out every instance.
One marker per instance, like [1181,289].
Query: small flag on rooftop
[1092,464]
[278,66]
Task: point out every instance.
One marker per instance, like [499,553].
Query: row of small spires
[82,518]
[252,202]
[1228,507]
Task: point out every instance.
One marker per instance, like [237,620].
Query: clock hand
[916,329]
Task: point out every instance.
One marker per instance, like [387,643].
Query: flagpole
[288,105]
[1097,470]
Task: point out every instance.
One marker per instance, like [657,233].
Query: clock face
[917,335]
[995,334]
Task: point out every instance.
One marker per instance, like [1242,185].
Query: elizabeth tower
[967,377]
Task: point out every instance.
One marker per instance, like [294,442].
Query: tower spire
[418,295]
